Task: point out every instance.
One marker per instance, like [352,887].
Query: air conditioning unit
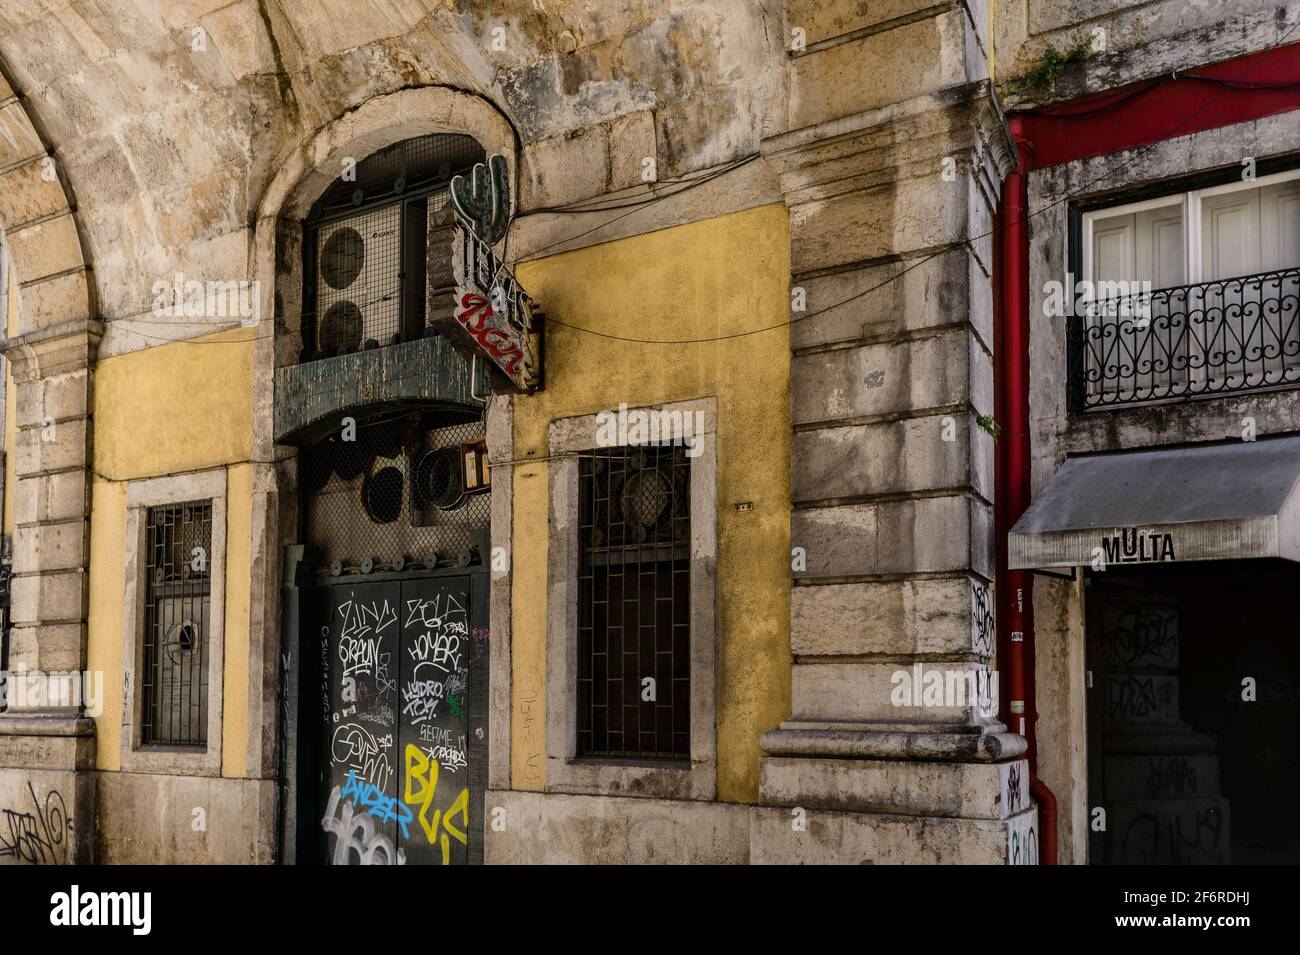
[359,282]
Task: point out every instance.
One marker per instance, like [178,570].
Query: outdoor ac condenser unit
[359,281]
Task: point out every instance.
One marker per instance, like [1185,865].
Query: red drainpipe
[1015,591]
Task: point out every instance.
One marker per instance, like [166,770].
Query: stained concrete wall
[536,828]
[146,819]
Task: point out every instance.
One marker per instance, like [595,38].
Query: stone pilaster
[891,188]
[47,741]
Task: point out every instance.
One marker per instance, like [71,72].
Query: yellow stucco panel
[104,616]
[706,280]
[169,410]
[177,407]
[239,535]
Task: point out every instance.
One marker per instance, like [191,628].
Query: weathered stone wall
[891,166]
[1121,41]
[143,819]
[177,132]
[156,139]
[171,119]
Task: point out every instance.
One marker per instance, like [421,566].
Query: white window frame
[140,496]
[1191,203]
[565,770]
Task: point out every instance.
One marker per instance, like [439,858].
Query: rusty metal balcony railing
[1214,338]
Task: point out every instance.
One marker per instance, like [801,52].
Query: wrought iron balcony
[1215,338]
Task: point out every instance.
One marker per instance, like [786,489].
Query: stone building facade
[786,224]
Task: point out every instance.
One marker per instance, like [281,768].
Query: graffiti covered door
[406,676]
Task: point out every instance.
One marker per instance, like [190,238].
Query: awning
[1214,502]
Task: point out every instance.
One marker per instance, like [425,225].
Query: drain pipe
[1015,591]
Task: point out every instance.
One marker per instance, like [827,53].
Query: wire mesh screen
[365,244]
[634,603]
[393,497]
[400,169]
[177,616]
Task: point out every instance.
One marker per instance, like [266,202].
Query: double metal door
[404,687]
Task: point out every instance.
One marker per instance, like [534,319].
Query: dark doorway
[404,671]
[1194,714]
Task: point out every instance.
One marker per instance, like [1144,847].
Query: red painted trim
[1207,97]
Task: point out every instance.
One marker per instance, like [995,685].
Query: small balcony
[1194,341]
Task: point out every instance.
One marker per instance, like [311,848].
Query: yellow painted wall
[706,279]
[106,605]
[172,408]
[167,410]
[239,538]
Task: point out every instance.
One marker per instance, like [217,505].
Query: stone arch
[38,217]
[377,123]
[51,353]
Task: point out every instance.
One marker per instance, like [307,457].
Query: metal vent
[392,497]
[365,245]
[359,287]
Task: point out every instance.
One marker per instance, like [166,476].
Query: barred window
[634,603]
[177,616]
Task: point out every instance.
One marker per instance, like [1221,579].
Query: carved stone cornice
[53,349]
[898,141]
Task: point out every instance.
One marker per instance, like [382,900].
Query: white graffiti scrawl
[359,636]
[357,840]
[437,652]
[360,750]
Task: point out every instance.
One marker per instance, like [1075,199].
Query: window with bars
[176,619]
[634,603]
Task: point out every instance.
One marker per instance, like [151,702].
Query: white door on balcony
[1253,331]
[1144,337]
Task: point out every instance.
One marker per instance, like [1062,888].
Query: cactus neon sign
[494,317]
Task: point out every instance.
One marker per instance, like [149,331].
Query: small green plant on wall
[1053,62]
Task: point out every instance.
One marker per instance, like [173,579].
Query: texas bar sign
[493,316]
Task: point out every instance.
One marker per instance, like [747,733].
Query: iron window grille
[177,616]
[366,246]
[634,603]
[1212,338]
